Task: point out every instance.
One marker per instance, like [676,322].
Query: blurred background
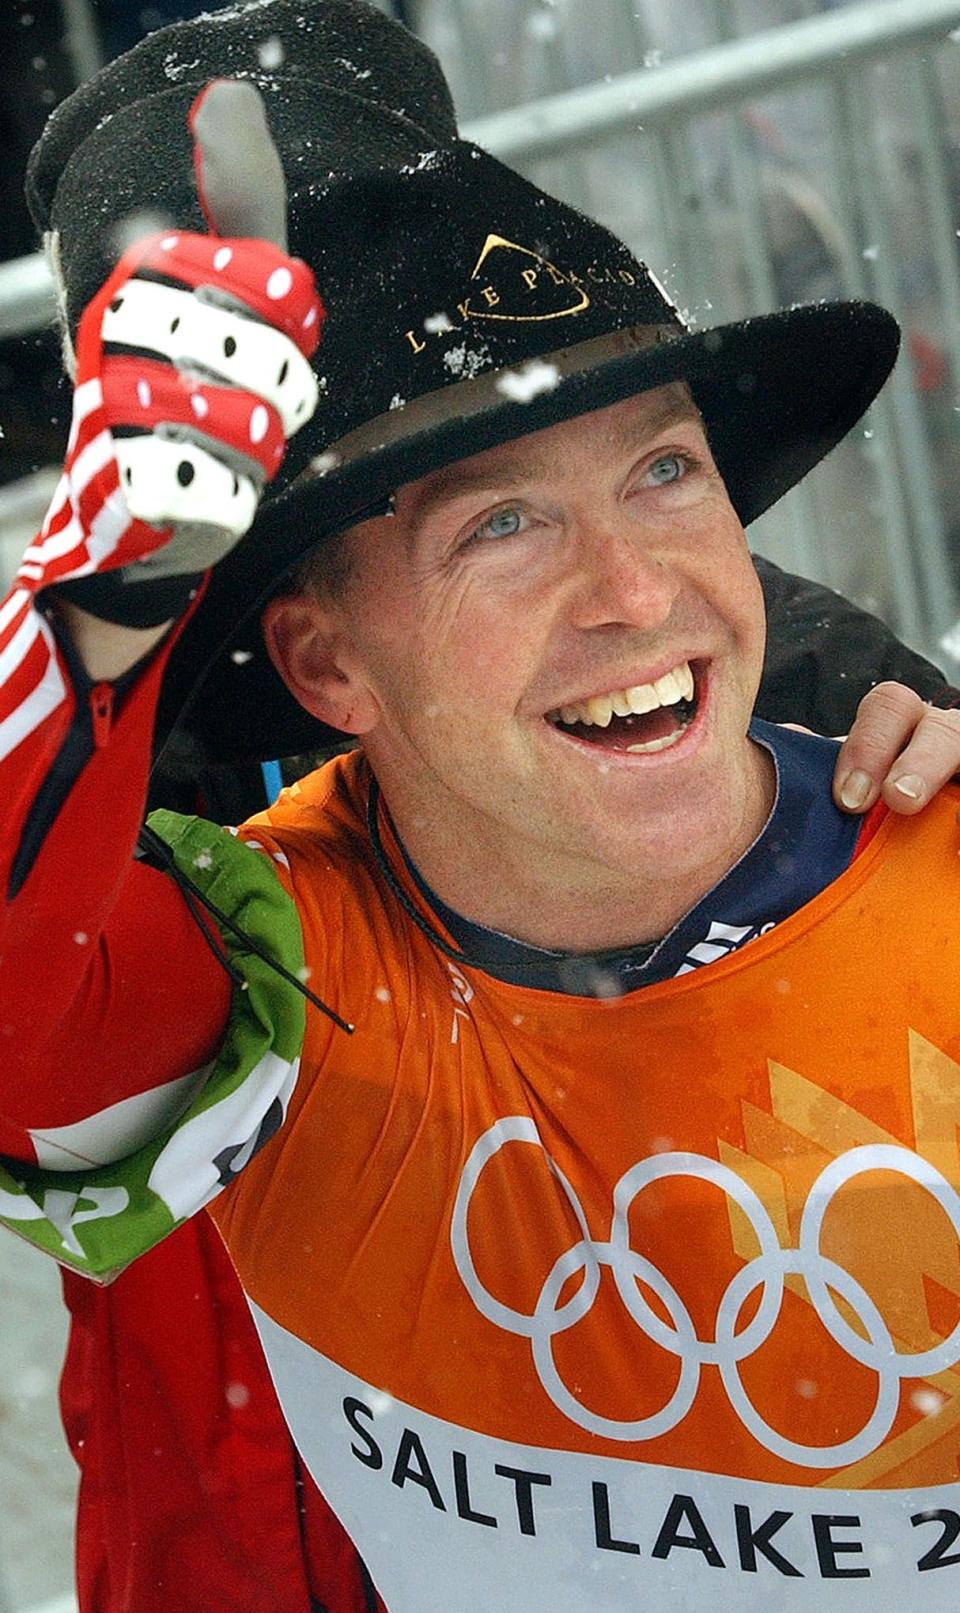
[755,153]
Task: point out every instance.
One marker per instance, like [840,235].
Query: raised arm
[113,1000]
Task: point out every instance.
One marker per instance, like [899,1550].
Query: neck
[561,903]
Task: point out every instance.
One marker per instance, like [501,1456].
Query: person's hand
[192,372]
[898,748]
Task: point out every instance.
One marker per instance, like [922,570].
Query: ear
[303,641]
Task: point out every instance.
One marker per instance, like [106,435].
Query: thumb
[240,179]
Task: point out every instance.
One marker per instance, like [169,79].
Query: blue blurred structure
[272,780]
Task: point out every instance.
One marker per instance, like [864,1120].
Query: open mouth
[645,717]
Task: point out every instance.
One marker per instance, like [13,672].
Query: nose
[618,576]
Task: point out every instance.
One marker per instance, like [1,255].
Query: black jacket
[824,654]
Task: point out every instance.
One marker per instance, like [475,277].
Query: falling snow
[950,642]
[541,26]
[270,53]
[527,383]
[135,226]
[927,1401]
[31,1383]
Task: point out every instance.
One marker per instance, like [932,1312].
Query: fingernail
[855,789]
[911,785]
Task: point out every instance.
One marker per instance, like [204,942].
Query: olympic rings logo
[728,1348]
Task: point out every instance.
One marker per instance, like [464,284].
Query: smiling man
[572,1082]
[556,704]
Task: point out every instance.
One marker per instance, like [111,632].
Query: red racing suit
[191,1492]
[207,1462]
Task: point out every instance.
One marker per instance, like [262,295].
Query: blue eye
[501,524]
[668,468]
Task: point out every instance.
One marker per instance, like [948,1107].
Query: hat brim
[776,393]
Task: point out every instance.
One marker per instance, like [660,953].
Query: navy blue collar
[805,844]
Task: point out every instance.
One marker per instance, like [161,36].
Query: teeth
[642,697]
[599,711]
[656,744]
[669,689]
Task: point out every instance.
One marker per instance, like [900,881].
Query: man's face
[514,599]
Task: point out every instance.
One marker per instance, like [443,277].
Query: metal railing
[27,298]
[906,569]
[737,70]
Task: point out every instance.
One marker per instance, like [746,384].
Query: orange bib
[575,1304]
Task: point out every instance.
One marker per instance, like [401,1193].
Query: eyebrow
[527,461]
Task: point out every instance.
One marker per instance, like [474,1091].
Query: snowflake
[466,362]
[950,642]
[344,61]
[927,1401]
[427,160]
[525,384]
[541,26]
[175,69]
[127,231]
[270,52]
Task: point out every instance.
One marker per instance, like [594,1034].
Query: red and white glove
[192,372]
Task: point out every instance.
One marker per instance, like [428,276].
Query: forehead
[619,428]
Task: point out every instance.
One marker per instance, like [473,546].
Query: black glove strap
[130,604]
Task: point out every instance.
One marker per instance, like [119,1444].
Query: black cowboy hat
[441,269]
